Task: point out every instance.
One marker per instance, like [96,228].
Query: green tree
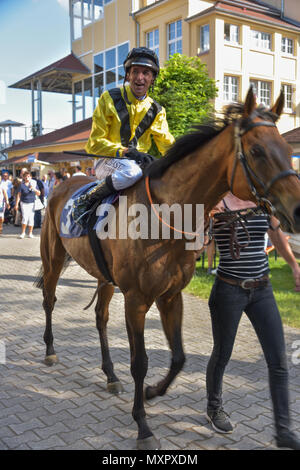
[184,88]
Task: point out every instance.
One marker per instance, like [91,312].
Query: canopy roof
[56,77]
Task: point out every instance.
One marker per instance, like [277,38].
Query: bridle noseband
[250,175]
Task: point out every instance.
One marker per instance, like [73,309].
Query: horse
[244,153]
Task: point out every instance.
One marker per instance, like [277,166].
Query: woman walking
[26,197]
[242,285]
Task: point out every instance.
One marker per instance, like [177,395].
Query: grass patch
[287,299]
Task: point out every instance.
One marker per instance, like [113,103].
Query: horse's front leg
[170,309]
[105,294]
[135,312]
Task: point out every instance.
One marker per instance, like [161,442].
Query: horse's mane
[202,133]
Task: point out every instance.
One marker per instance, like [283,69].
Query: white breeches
[27,210]
[124,172]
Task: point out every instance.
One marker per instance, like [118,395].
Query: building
[243,43]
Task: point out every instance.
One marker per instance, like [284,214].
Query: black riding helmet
[142,56]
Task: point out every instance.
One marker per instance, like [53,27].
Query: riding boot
[98,193]
[1,225]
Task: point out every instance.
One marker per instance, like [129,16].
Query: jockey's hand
[142,159]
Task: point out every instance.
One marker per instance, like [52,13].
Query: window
[76,19]
[84,12]
[261,40]
[174,38]
[83,99]
[287,45]
[230,89]
[288,97]
[108,68]
[231,33]
[262,91]
[152,40]
[108,73]
[204,38]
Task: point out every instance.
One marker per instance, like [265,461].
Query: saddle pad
[68,227]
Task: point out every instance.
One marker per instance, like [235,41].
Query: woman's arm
[282,245]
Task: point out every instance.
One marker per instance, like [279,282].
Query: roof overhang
[56,77]
[256,18]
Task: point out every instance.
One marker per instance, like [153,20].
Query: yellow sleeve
[100,140]
[160,131]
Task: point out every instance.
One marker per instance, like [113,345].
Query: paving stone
[67,406]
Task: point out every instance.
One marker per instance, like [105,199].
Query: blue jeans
[227,303]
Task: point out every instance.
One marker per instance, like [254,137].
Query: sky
[33,34]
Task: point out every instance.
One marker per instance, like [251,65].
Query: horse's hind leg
[53,257]
[105,294]
[171,314]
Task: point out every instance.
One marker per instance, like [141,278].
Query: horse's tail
[39,281]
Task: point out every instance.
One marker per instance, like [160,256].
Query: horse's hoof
[115,388]
[150,443]
[51,360]
[150,392]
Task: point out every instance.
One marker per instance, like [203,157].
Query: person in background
[26,197]
[65,174]
[4,203]
[46,189]
[51,181]
[242,285]
[38,212]
[58,179]
[78,171]
[6,183]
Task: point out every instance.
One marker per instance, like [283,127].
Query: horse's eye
[257,151]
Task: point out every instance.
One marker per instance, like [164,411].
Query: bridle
[250,175]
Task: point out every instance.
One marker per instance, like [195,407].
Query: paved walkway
[67,406]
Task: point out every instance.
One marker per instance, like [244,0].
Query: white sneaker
[31,236]
[22,235]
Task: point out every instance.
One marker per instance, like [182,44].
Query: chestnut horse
[245,154]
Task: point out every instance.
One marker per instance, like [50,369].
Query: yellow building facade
[242,42]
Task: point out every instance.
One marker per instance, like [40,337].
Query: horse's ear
[279,105]
[250,102]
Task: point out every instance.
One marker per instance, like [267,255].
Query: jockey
[123,123]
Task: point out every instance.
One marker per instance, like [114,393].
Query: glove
[142,159]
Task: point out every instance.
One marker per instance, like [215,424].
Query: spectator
[78,171]
[65,174]
[58,179]
[46,189]
[6,183]
[51,182]
[26,198]
[4,203]
[38,212]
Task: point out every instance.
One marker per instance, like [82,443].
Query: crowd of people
[23,198]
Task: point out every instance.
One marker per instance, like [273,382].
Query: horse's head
[262,169]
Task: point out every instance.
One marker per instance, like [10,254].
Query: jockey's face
[140,78]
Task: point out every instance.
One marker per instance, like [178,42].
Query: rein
[231,219]
[195,234]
